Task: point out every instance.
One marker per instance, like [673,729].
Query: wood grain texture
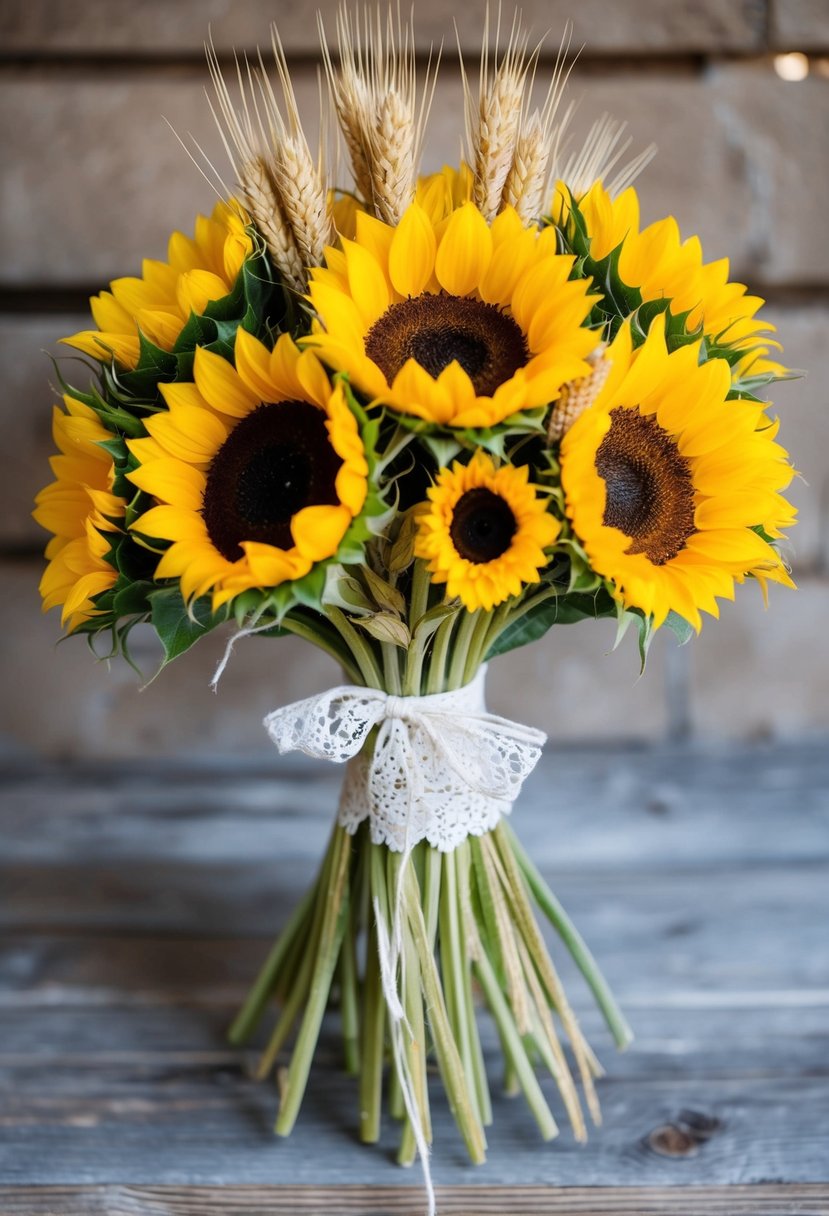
[772,1200]
[137,904]
[157,28]
[207,1121]
[591,808]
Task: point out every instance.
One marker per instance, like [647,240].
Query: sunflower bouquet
[417,423]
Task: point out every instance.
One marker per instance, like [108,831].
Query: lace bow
[440,769]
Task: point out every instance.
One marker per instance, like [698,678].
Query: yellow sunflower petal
[221,385]
[317,531]
[412,252]
[465,251]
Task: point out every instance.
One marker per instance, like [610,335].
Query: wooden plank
[799,1200]
[693,930]
[78,1029]
[618,807]
[799,25]
[714,130]
[160,29]
[207,1121]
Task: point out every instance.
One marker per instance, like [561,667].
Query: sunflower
[669,485]
[453,321]
[80,508]
[159,303]
[484,532]
[258,471]
[662,266]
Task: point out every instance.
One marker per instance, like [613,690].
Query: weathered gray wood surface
[137,905]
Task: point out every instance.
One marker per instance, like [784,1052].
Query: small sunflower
[666,481]
[485,531]
[661,265]
[80,508]
[199,269]
[258,471]
[453,321]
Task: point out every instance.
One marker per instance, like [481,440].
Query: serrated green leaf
[178,626]
[133,599]
[198,331]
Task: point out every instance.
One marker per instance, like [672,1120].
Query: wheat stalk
[375,96]
[301,181]
[602,150]
[244,143]
[266,208]
[351,96]
[579,395]
[493,118]
[537,144]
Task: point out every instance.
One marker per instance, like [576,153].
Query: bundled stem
[451,928]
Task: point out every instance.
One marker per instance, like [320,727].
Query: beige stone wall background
[93,179]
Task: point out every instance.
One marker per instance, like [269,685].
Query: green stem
[477,646]
[349,999]
[314,634]
[391,667]
[415,1050]
[463,868]
[419,601]
[298,967]
[487,924]
[515,1046]
[449,1061]
[373,1038]
[460,651]
[497,623]
[381,891]
[431,893]
[453,967]
[249,1015]
[357,645]
[436,679]
[417,609]
[289,1013]
[569,934]
[326,953]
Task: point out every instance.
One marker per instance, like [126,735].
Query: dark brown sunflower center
[275,462]
[483,526]
[650,491]
[436,330]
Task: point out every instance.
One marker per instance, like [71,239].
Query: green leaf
[682,630]
[562,609]
[198,331]
[177,627]
[133,599]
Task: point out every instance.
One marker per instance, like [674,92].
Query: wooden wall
[93,179]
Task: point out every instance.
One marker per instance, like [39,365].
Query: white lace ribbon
[441,767]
